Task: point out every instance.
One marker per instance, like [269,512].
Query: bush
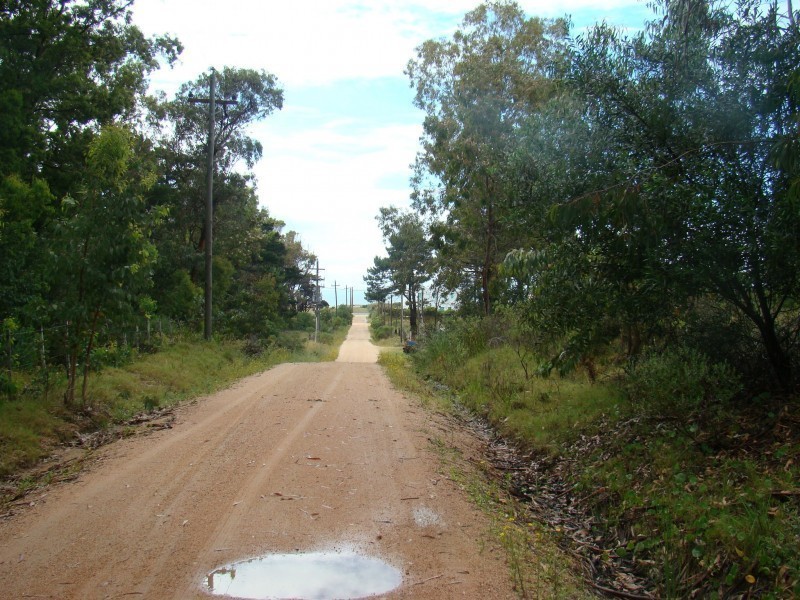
[293,341]
[679,381]
[304,321]
[382,332]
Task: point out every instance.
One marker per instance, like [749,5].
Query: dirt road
[302,458]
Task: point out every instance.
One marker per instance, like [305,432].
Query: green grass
[702,499]
[537,567]
[540,413]
[699,514]
[28,426]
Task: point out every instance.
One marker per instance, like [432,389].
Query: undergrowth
[679,477]
[537,566]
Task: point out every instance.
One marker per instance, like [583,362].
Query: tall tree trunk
[490,251]
[412,311]
[72,374]
[88,356]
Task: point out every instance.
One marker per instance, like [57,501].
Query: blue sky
[343,144]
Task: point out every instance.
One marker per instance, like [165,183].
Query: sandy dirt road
[301,458]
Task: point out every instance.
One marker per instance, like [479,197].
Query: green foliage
[680,382]
[692,202]
[303,321]
[103,270]
[27,427]
[180,298]
[711,518]
[24,209]
[407,265]
[689,486]
[101,202]
[331,320]
[637,177]
[67,67]
[476,90]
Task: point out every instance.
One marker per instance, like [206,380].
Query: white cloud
[331,151]
[332,197]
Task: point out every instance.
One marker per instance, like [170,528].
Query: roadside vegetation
[103,238]
[661,475]
[136,383]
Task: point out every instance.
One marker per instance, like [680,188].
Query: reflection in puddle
[313,576]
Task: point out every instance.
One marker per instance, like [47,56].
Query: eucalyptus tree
[67,67]
[180,129]
[692,185]
[103,273]
[407,265]
[476,89]
[299,265]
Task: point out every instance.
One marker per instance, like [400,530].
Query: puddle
[311,576]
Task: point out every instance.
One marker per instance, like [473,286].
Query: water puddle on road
[311,576]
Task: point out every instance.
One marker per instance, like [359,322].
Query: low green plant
[691,487]
[679,381]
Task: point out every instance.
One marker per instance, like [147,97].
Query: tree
[299,265]
[180,128]
[104,273]
[407,266]
[691,176]
[25,210]
[475,90]
[66,68]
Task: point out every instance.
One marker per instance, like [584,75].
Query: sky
[345,140]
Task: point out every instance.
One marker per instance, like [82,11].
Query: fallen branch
[429,579]
[619,593]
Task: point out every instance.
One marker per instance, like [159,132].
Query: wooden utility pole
[402,333]
[336,295]
[209,216]
[317,304]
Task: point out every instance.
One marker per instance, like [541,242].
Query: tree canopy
[638,187]
[102,189]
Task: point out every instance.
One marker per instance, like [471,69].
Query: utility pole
[402,333]
[421,309]
[209,216]
[317,304]
[336,295]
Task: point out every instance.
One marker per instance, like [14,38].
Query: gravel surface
[302,458]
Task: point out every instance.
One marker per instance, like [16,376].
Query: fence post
[42,348]
[9,356]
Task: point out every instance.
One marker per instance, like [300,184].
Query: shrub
[382,332]
[304,321]
[291,340]
[680,380]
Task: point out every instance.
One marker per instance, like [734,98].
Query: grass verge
[538,568]
[689,500]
